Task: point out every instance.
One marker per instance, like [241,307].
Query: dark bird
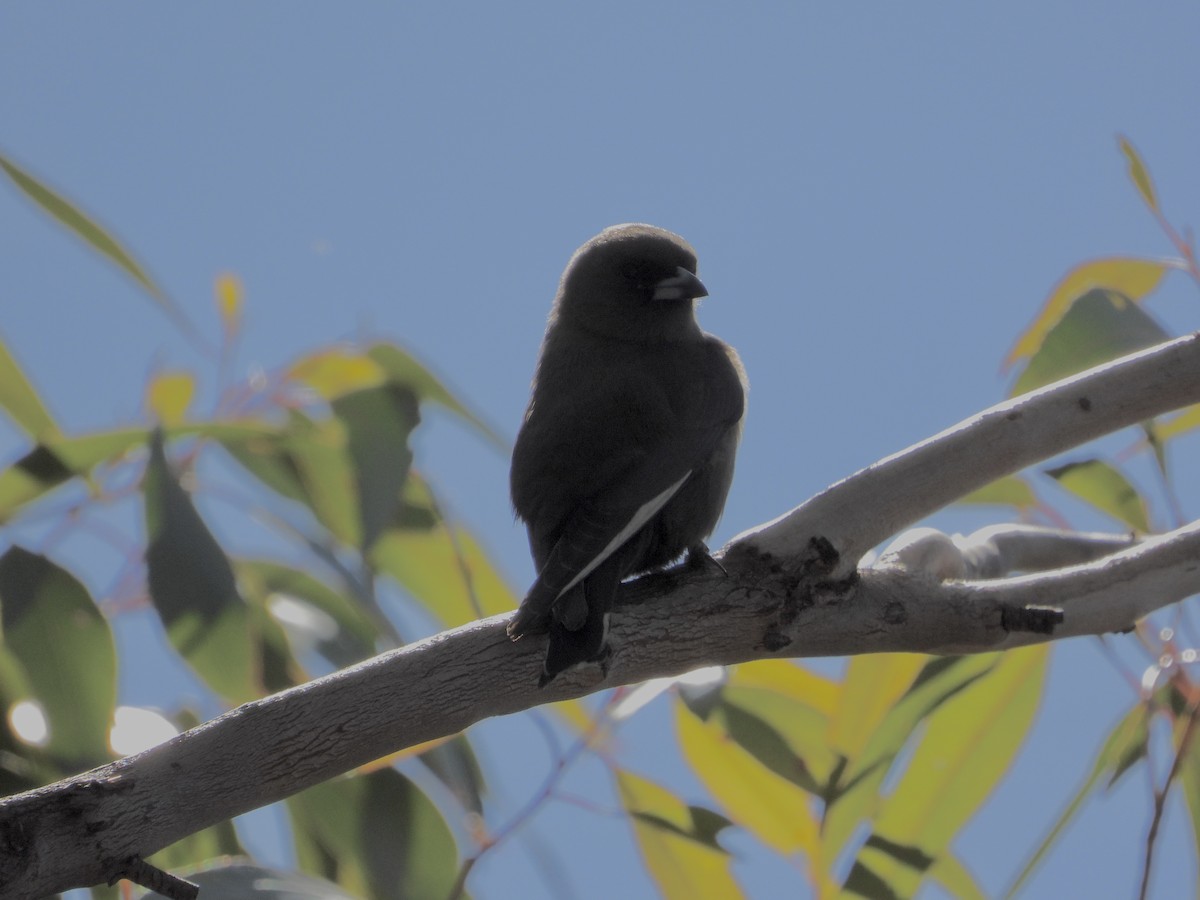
[626,453]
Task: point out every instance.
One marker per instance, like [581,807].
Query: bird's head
[634,282]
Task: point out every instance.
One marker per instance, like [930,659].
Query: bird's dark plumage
[626,453]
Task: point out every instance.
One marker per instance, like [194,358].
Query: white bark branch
[997,550]
[865,509]
[791,590]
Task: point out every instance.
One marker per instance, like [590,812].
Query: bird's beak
[683,285]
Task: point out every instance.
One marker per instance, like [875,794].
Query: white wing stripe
[643,515]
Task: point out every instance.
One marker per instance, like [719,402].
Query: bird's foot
[698,557]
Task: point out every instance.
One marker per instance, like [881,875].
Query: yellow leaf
[794,703]
[79,223]
[683,867]
[1011,490]
[332,373]
[21,401]
[968,746]
[228,291]
[1131,277]
[872,686]
[1187,420]
[1138,173]
[446,571]
[169,395]
[768,805]
[795,682]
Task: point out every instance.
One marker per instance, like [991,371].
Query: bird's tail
[571,647]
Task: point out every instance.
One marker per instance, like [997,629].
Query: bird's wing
[600,526]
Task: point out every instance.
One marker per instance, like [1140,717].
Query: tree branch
[865,509]
[791,589]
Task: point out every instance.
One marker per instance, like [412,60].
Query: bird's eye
[638,273]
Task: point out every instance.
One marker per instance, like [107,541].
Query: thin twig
[1160,795]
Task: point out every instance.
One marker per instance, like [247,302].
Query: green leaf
[780,712]
[1101,325]
[955,878]
[306,461]
[872,686]
[375,835]
[1130,277]
[378,424]
[445,569]
[1101,485]
[75,221]
[311,612]
[454,764]
[19,399]
[1138,173]
[56,461]
[771,807]
[677,841]
[1181,423]
[403,369]
[855,797]
[192,586]
[53,628]
[1012,490]
[211,843]
[968,745]
[242,881]
[783,735]
[1189,776]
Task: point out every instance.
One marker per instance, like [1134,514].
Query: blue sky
[881,195]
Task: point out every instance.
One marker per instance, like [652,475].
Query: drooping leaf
[402,368]
[446,570]
[969,744]
[52,626]
[1099,325]
[873,684]
[454,764]
[375,835]
[21,401]
[677,841]
[771,807]
[276,666]
[1104,487]
[779,712]
[1011,490]
[855,797]
[192,586]
[306,461]
[77,222]
[1130,277]
[1138,173]
[378,423]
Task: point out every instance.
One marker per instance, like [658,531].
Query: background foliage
[860,782]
